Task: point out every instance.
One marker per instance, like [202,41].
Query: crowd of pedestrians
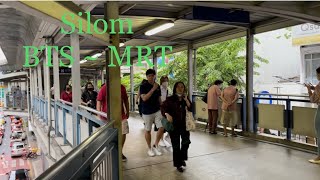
[156,103]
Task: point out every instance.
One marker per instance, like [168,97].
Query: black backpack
[205,97]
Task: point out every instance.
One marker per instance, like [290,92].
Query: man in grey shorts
[150,108]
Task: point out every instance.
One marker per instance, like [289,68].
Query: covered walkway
[215,157]
[83,146]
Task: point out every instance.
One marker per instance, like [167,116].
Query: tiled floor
[216,157]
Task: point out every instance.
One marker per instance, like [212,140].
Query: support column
[47,93]
[132,88]
[28,102]
[56,85]
[40,79]
[190,71]
[249,81]
[36,84]
[195,69]
[113,80]
[102,76]
[31,95]
[76,93]
[155,63]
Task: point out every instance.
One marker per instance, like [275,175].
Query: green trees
[225,60]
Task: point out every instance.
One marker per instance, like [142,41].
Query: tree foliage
[225,60]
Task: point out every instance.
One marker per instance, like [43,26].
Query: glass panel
[316,56]
[307,56]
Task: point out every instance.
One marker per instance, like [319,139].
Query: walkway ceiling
[264,16]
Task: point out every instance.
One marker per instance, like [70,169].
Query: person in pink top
[229,98]
[214,93]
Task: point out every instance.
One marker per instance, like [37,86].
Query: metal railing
[97,153]
[94,158]
[287,100]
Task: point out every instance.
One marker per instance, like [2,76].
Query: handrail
[73,164]
[292,95]
[94,111]
[65,102]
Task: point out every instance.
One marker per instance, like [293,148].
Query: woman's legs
[317,128]
[185,136]
[175,140]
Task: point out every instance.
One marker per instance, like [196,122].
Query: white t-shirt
[164,93]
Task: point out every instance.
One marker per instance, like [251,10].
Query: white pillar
[36,85]
[47,93]
[155,62]
[40,79]
[56,76]
[190,71]
[75,83]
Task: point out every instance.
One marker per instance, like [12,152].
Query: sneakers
[124,159]
[180,169]
[184,164]
[151,153]
[157,150]
[162,143]
[314,161]
[167,143]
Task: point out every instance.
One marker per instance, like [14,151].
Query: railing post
[288,119]
[115,159]
[56,117]
[78,140]
[64,126]
[255,115]
[243,113]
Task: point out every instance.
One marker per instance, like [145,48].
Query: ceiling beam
[126,8]
[291,11]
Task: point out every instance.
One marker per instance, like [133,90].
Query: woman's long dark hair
[175,87]
[86,87]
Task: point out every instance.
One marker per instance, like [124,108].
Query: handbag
[168,126]
[190,122]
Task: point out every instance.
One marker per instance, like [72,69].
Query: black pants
[180,154]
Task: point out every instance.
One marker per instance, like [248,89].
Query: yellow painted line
[58,9]
[314,39]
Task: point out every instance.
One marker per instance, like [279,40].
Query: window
[312,63]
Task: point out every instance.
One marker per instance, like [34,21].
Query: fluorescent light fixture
[3,59]
[96,55]
[121,44]
[159,29]
[83,61]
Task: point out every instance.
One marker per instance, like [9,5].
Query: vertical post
[28,103]
[47,86]
[249,78]
[195,69]
[35,85]
[40,79]
[56,85]
[32,102]
[102,76]
[75,84]
[132,88]
[190,71]
[155,63]
[113,80]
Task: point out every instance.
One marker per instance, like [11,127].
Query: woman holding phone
[314,94]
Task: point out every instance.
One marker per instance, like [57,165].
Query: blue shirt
[152,105]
